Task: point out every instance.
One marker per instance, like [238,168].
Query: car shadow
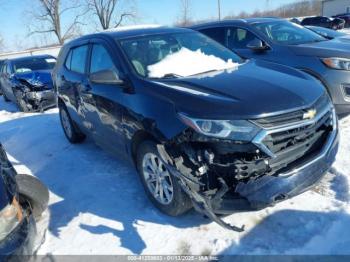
[84,179]
[292,232]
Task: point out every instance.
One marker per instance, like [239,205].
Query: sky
[15,16]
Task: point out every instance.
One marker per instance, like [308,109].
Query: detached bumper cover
[268,190]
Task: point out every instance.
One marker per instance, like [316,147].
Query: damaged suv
[27,82]
[205,128]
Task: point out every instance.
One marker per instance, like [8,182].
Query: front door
[107,99]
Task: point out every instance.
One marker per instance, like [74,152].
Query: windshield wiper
[171,75]
[205,72]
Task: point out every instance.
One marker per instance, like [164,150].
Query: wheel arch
[139,137]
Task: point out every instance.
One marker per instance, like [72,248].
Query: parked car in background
[27,82]
[283,42]
[204,127]
[328,33]
[295,20]
[323,21]
[23,200]
[345,17]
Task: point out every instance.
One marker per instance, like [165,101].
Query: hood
[37,78]
[251,90]
[329,48]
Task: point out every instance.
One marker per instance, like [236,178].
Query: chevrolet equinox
[205,128]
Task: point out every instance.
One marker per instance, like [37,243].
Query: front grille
[296,143]
[293,117]
[299,142]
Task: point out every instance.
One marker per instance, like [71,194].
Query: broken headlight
[239,130]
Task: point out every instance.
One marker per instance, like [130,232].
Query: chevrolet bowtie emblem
[310,114]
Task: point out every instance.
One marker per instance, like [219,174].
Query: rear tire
[70,129]
[35,192]
[156,176]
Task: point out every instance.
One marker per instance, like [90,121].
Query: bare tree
[107,12]
[49,19]
[185,13]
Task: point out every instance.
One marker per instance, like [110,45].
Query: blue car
[23,199]
[27,82]
[279,41]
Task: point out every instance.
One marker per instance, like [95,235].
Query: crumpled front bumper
[268,190]
[46,99]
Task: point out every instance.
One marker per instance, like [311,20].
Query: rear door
[107,98]
[74,86]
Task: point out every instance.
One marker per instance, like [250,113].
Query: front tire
[161,187]
[70,129]
[5,97]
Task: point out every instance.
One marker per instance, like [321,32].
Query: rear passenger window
[100,59]
[76,59]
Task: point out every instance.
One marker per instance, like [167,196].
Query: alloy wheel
[157,178]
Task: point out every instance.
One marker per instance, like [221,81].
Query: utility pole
[219,9]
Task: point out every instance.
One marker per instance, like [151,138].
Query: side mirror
[108,77]
[257,45]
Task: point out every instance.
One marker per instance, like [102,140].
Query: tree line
[64,19]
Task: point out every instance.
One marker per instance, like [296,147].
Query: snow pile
[186,62]
[345,30]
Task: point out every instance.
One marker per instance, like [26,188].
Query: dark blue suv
[279,41]
[203,127]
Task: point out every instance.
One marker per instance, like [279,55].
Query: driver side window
[100,59]
[238,38]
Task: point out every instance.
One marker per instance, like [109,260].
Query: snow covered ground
[98,205]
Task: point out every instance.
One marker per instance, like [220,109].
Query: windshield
[326,32]
[286,33]
[34,64]
[177,55]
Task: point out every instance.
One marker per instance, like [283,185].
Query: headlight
[8,220]
[337,63]
[239,130]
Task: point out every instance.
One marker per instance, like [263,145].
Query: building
[52,50]
[334,7]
